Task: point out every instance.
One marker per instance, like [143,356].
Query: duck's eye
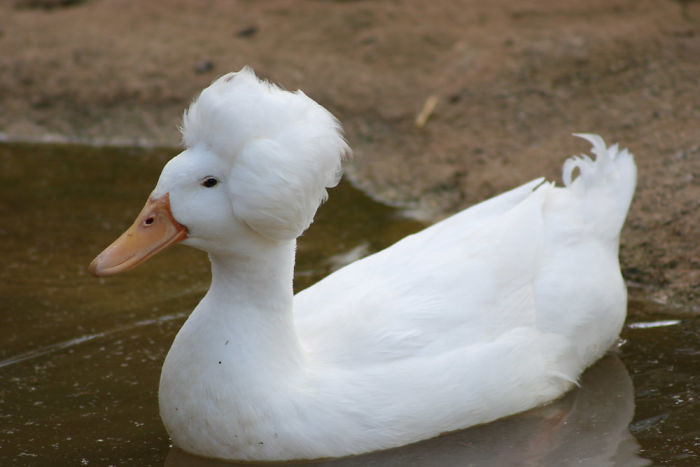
[210,182]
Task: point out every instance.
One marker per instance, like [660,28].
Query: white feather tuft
[606,183]
[284,149]
[591,170]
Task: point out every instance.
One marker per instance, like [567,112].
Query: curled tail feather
[606,182]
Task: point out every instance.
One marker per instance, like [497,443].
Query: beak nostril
[149,221]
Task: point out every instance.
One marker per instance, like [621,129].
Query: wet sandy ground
[509,82]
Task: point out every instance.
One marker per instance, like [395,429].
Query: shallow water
[80,357]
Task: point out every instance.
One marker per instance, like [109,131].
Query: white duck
[490,312]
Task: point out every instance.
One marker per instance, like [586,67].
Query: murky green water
[80,357]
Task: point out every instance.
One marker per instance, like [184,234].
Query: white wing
[461,281]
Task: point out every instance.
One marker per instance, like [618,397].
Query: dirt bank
[510,80]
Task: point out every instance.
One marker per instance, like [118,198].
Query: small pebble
[204,66]
[249,31]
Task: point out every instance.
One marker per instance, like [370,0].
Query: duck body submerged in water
[487,313]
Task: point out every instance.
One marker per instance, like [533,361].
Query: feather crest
[283,147]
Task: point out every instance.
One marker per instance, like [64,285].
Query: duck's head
[255,168]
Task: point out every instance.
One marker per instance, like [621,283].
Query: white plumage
[490,312]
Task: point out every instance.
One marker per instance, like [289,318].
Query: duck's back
[537,257]
[456,283]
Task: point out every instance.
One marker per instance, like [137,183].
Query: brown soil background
[512,79]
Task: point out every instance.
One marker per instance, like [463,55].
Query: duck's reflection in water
[587,427]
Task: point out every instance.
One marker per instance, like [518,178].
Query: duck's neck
[250,301]
[260,281]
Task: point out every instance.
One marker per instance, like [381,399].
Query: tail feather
[607,182]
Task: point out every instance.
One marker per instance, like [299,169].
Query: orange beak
[153,230]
